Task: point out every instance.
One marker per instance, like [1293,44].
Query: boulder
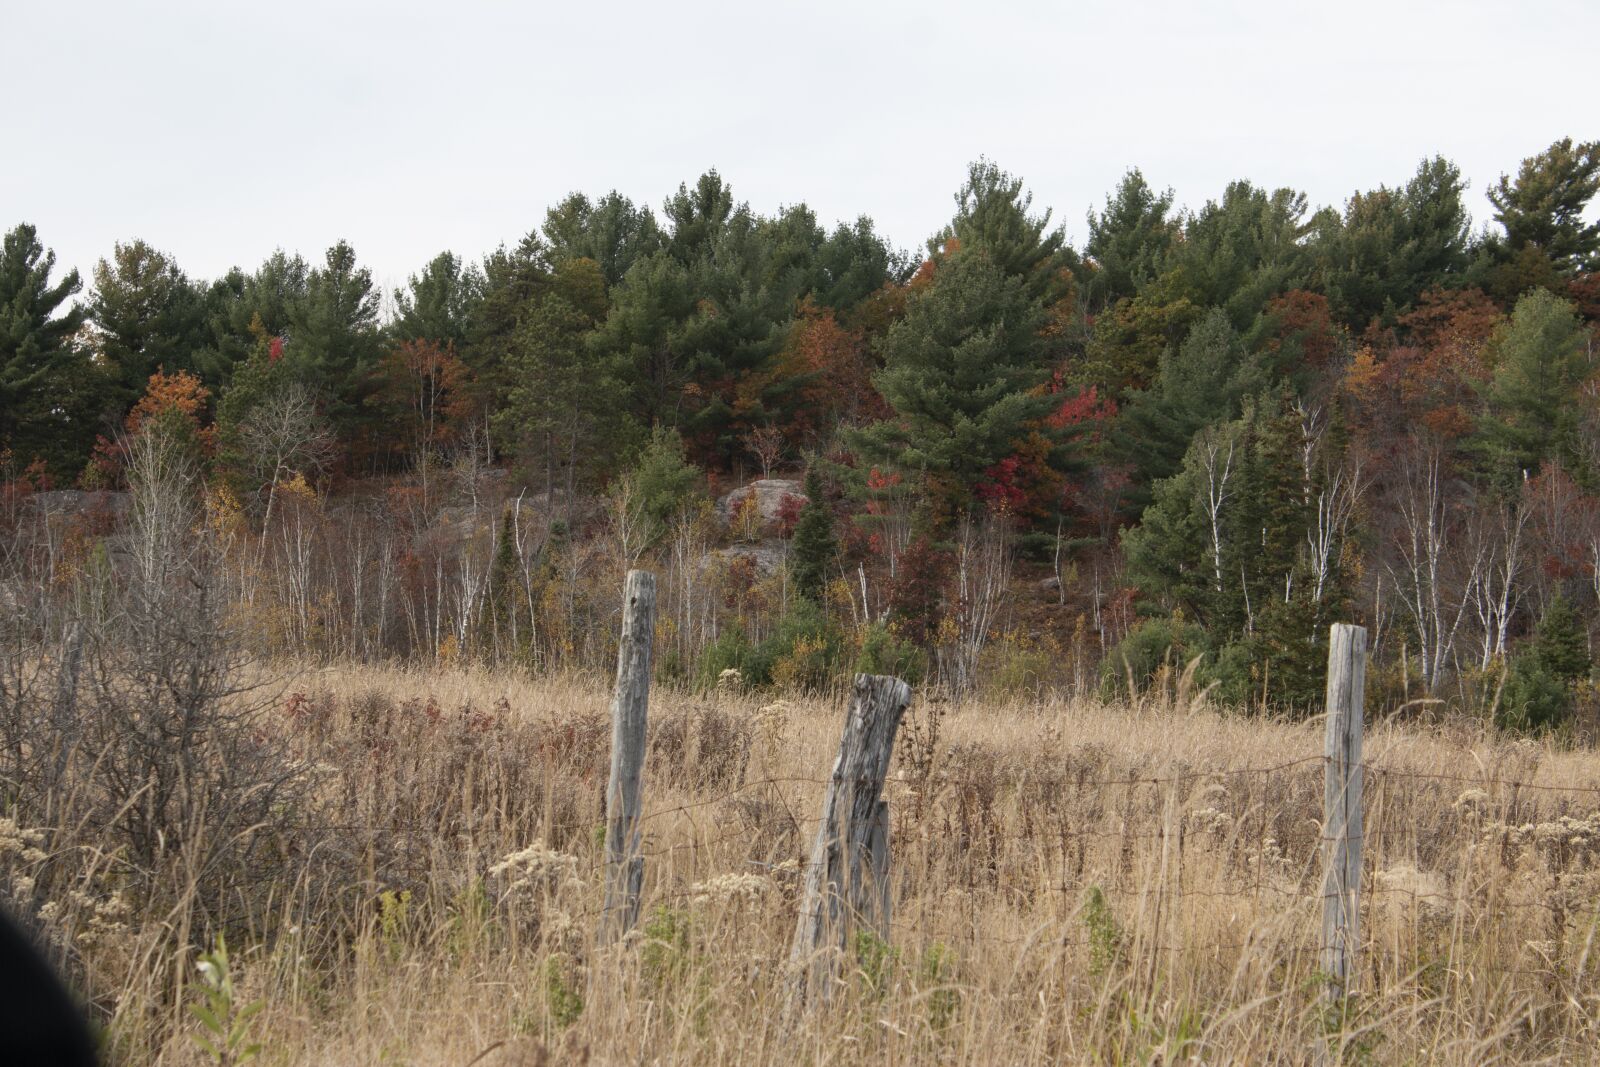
[770,495]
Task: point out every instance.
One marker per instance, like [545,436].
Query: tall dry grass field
[1073,883]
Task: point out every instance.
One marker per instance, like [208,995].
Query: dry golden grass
[1073,883]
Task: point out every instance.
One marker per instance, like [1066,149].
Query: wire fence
[726,842]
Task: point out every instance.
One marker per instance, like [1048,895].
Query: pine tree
[1274,508]
[1224,543]
[1560,645]
[963,371]
[1544,205]
[642,335]
[51,394]
[507,595]
[993,217]
[695,325]
[853,264]
[1238,253]
[1540,357]
[1169,554]
[271,298]
[1393,244]
[561,398]
[1285,650]
[1129,241]
[1538,691]
[333,339]
[440,304]
[612,232]
[815,548]
[1202,382]
[148,315]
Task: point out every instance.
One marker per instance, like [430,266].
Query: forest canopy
[1209,431]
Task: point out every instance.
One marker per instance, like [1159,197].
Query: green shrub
[664,477]
[805,652]
[664,956]
[1538,693]
[562,995]
[885,652]
[730,651]
[875,961]
[1149,646]
[1020,662]
[1533,697]
[935,975]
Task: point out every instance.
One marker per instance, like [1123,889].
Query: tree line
[1210,432]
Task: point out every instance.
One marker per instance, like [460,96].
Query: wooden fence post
[1341,884]
[629,706]
[877,906]
[847,879]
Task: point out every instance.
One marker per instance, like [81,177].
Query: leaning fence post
[846,880]
[1341,884]
[629,704]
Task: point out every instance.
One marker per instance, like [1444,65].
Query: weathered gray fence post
[877,906]
[629,705]
[1341,884]
[847,879]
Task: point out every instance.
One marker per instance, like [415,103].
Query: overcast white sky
[219,131]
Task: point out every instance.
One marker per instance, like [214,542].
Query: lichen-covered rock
[771,495]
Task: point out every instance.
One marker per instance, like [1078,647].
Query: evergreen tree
[664,480]
[642,334]
[1127,342]
[1287,659]
[1171,556]
[1224,543]
[333,336]
[51,394]
[148,316]
[1544,206]
[696,325]
[1129,241]
[1560,645]
[440,304]
[238,306]
[612,232]
[794,240]
[561,398]
[1538,688]
[1204,381]
[253,383]
[815,548]
[276,294]
[1540,357]
[1240,253]
[1273,505]
[697,217]
[513,279]
[962,372]
[513,628]
[738,325]
[1394,244]
[993,217]
[853,264]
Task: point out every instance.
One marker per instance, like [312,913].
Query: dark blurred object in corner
[39,1023]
